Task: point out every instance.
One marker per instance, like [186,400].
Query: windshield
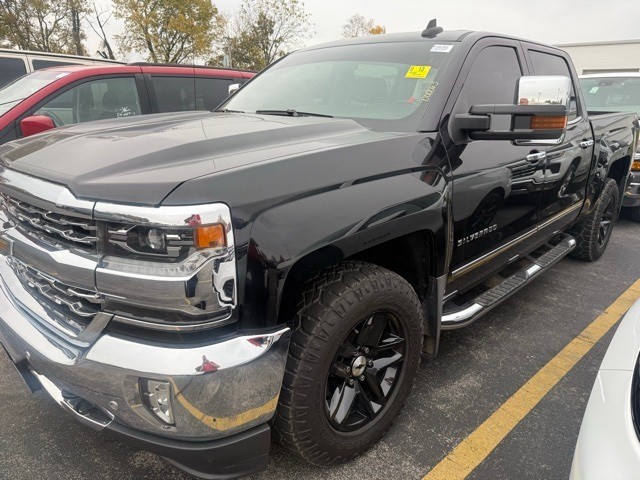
[372,83]
[25,86]
[612,94]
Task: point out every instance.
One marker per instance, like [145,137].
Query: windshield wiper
[226,110]
[292,113]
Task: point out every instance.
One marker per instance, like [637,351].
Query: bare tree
[357,26]
[265,30]
[100,20]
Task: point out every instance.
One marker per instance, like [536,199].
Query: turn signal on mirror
[548,123]
[212,236]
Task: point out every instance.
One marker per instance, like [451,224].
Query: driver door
[497,185]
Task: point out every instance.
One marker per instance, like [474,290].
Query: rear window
[10,69]
[614,94]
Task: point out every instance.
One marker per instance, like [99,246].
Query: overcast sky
[548,21]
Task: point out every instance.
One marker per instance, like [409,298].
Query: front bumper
[219,390]
[632,194]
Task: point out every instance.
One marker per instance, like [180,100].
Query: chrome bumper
[237,390]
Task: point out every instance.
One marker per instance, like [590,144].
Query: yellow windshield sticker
[418,71]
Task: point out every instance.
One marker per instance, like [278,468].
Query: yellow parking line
[469,453]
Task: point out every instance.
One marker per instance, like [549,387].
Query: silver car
[609,442]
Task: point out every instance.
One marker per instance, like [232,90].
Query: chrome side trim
[559,215]
[466,316]
[494,253]
[489,255]
[539,142]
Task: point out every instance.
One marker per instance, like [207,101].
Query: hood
[141,160]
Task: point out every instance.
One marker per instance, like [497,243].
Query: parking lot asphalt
[478,368]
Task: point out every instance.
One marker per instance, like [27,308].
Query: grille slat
[53,228]
[72,308]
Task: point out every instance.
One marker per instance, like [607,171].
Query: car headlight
[167,267]
[162,243]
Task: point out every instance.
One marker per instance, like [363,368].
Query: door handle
[586,143]
[536,157]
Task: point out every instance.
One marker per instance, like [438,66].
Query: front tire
[594,232]
[352,362]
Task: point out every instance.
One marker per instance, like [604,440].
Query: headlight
[168,266]
[163,243]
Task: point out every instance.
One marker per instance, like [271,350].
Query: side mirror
[540,115]
[234,88]
[36,124]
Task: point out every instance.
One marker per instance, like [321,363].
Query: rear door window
[174,94]
[10,69]
[95,100]
[211,92]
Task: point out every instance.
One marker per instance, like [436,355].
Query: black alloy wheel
[352,362]
[365,372]
[606,222]
[593,233]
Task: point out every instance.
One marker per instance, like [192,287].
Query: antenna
[432,29]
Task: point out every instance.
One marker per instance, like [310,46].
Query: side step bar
[496,295]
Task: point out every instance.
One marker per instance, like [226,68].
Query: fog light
[157,398]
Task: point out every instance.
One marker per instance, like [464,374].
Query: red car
[66,95]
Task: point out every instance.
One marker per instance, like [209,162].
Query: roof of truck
[444,36]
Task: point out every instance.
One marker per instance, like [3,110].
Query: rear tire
[331,407]
[594,232]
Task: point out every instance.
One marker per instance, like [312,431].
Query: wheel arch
[416,268]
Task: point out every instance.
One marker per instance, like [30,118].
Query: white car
[609,441]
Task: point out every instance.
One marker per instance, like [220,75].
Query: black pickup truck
[194,283]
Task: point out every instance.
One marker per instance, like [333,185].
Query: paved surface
[477,370]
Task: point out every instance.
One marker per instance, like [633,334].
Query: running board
[496,295]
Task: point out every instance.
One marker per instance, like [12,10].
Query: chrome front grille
[72,308]
[53,228]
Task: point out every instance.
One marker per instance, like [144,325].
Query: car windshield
[372,83]
[612,94]
[15,92]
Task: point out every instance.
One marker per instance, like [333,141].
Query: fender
[613,150]
[290,242]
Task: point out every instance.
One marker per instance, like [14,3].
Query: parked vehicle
[68,95]
[609,442]
[618,92]
[16,63]
[194,282]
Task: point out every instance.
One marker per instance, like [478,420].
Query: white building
[603,57]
